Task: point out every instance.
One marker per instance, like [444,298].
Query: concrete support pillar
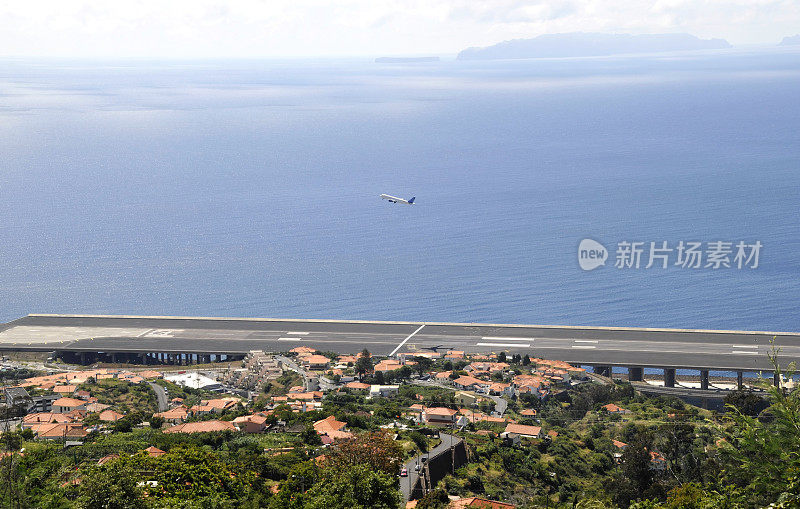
[636,374]
[740,380]
[704,379]
[669,377]
[113,357]
[83,358]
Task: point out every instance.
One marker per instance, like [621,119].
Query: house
[454,355]
[316,361]
[64,405]
[59,431]
[332,428]
[511,439]
[439,416]
[110,416]
[524,431]
[154,452]
[16,396]
[31,420]
[65,390]
[357,386]
[214,406]
[466,382]
[254,423]
[201,427]
[528,412]
[614,409]
[387,365]
[174,416]
[302,349]
[501,389]
[383,391]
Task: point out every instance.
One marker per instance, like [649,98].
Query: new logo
[591,254]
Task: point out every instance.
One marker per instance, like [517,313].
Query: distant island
[405,60]
[581,44]
[791,40]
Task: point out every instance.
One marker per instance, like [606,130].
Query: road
[407,482]
[161,396]
[500,404]
[293,366]
[677,348]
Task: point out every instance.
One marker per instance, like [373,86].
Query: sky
[309,28]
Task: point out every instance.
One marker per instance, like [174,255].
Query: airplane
[394,199]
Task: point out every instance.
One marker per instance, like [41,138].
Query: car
[404,472]
[417,467]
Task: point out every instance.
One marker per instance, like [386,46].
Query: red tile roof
[201,427]
[532,431]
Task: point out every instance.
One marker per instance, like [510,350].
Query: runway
[658,348]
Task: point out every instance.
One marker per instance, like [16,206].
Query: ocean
[250,188]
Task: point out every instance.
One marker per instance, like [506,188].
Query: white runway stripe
[517,345]
[404,341]
[502,338]
[586,341]
[298,333]
[583,346]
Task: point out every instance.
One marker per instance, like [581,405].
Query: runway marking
[586,341]
[288,339]
[585,347]
[145,333]
[504,338]
[744,346]
[299,333]
[404,341]
[743,352]
[519,345]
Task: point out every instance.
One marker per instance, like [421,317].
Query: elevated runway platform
[144,337]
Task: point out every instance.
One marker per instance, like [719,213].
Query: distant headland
[405,60]
[581,44]
[791,40]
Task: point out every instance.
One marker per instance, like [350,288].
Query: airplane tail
[412,200]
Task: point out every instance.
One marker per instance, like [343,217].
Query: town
[440,429]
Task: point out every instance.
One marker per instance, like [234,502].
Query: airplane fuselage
[395,199]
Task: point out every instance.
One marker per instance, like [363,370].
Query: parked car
[404,472]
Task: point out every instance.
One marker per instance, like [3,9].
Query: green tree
[309,436]
[363,364]
[763,454]
[424,364]
[110,487]
[356,487]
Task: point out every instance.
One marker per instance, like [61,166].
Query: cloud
[276,28]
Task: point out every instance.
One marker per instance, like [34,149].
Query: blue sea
[250,188]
